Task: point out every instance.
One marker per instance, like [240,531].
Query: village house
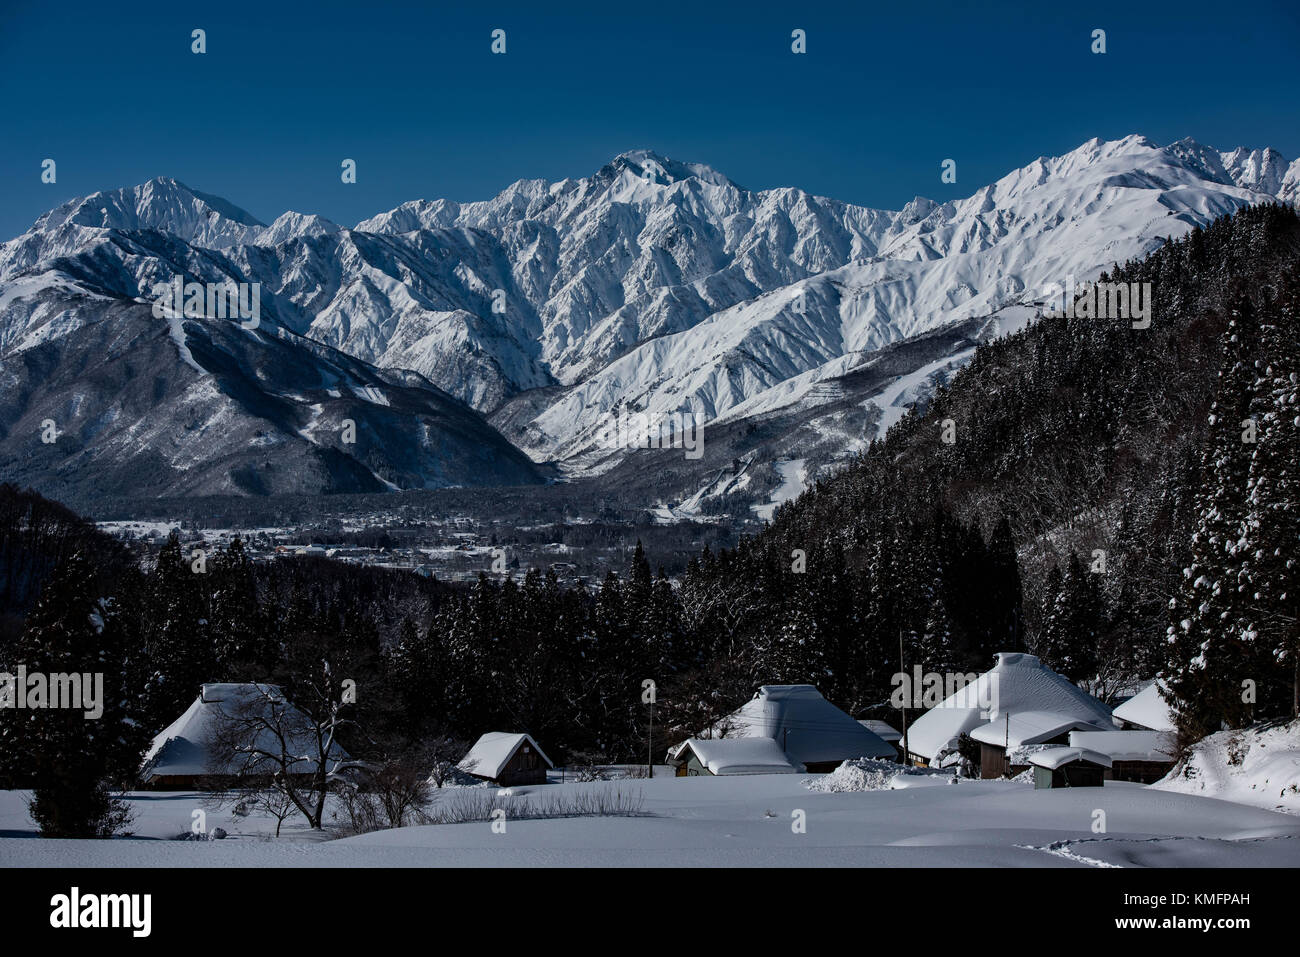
[506,759]
[808,732]
[1019,703]
[185,755]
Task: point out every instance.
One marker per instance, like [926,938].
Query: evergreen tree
[237,631]
[1003,597]
[1268,537]
[1072,621]
[1210,664]
[70,756]
[176,634]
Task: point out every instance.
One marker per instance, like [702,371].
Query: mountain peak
[664,170]
[1260,170]
[293,225]
[1205,161]
[164,204]
[641,156]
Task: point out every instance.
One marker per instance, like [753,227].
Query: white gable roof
[741,755]
[1148,709]
[1033,727]
[493,751]
[185,747]
[1127,745]
[1053,758]
[1019,684]
[804,725]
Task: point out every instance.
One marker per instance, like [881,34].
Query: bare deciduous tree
[261,740]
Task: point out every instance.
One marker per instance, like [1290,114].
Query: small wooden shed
[1069,768]
[506,759]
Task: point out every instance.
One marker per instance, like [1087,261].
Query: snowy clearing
[794,478]
[736,821]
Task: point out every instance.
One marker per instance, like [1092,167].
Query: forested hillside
[1118,457]
[35,536]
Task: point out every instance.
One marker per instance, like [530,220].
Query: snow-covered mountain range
[653,283]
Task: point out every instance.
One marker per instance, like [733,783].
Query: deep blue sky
[112,92]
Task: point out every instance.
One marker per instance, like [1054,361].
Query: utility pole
[1006,746]
[649,743]
[902,669]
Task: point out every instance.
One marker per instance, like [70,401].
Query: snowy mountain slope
[146,407]
[588,267]
[749,460]
[421,302]
[1261,170]
[646,246]
[1071,215]
[428,299]
[652,283]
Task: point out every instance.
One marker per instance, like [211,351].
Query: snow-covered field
[737,821]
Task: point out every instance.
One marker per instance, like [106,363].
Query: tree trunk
[321,794]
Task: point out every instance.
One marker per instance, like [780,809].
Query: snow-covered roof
[1148,709]
[938,729]
[1053,758]
[493,751]
[741,755]
[805,725]
[1018,683]
[881,729]
[1033,727]
[1021,755]
[1127,745]
[186,746]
